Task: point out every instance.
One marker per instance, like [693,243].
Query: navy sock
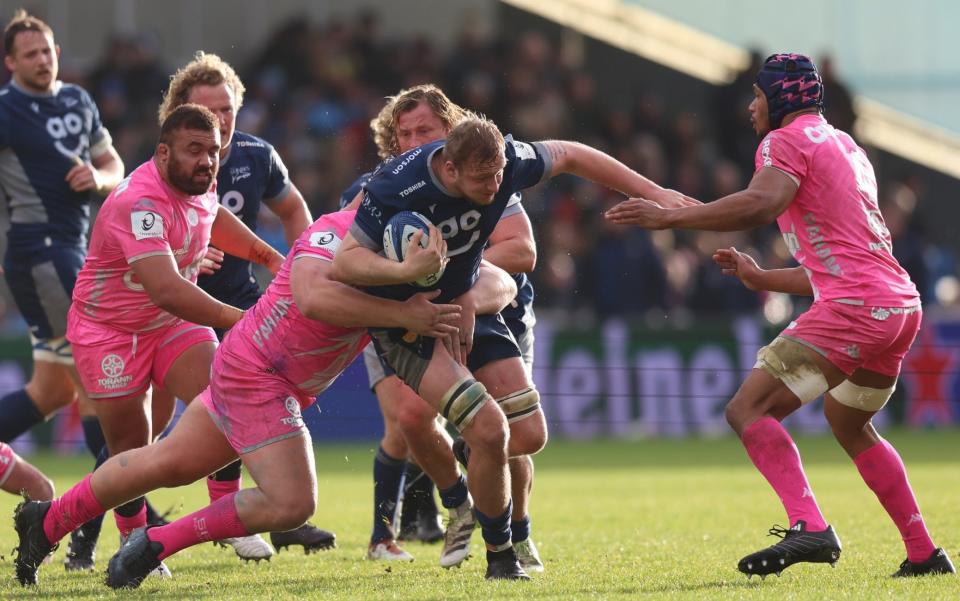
[520,529]
[93,435]
[228,473]
[455,495]
[418,487]
[19,415]
[387,484]
[496,530]
[130,508]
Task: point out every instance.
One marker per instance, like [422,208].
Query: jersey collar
[57,85]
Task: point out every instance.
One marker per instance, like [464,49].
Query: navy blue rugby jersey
[407,183]
[252,172]
[42,136]
[350,193]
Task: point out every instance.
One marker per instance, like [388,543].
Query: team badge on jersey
[325,240]
[146,224]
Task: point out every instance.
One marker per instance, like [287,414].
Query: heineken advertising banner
[613,380]
[623,381]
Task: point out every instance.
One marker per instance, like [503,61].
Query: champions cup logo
[112,367]
[149,219]
[293,408]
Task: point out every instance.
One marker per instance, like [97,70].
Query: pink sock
[75,507]
[774,453]
[883,471]
[222,488]
[126,525]
[216,521]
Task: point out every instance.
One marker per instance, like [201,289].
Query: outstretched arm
[589,163]
[230,235]
[793,280]
[769,194]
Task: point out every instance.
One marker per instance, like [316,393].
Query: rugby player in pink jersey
[820,188]
[138,321]
[302,333]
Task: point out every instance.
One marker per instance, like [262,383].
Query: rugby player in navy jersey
[251,176]
[55,155]
[414,117]
[463,185]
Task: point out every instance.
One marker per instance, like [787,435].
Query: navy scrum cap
[791,83]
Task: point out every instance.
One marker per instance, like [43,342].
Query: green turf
[613,520]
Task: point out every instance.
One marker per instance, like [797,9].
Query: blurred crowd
[313,88]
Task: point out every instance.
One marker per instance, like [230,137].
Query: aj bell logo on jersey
[112,367]
[146,224]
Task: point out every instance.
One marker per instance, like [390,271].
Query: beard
[192,181]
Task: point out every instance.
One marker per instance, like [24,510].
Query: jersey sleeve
[514,206]
[528,164]
[372,217]
[100,140]
[322,239]
[278,178]
[782,151]
[141,228]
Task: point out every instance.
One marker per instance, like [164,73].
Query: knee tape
[52,350]
[790,362]
[462,402]
[520,404]
[860,397]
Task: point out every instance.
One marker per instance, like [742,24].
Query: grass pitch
[613,520]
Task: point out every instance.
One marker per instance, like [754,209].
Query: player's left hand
[466,325]
[671,199]
[83,177]
[639,211]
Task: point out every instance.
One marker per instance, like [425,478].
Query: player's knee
[294,510]
[463,402]
[51,394]
[528,436]
[488,433]
[43,489]
[416,418]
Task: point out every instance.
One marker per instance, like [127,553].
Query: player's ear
[163,152]
[56,48]
[9,62]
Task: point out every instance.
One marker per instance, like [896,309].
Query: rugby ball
[397,236]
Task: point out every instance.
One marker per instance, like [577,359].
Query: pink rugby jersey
[143,217]
[274,336]
[833,227]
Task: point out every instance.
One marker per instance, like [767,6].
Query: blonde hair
[20,22]
[474,141]
[384,125]
[204,70]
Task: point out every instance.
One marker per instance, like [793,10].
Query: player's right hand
[735,263]
[212,261]
[421,262]
[425,318]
